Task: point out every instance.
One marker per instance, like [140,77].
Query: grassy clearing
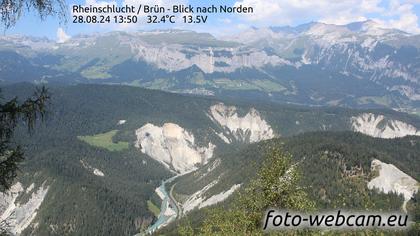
[162,83]
[104,141]
[234,84]
[153,208]
[269,86]
[96,72]
[261,85]
[385,101]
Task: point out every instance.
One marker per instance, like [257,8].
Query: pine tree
[12,10]
[11,112]
[276,186]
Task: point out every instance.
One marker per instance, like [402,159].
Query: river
[166,215]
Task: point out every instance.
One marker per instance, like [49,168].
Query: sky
[399,14]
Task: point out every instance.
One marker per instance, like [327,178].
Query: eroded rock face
[249,128]
[93,170]
[391,179]
[121,122]
[199,200]
[178,57]
[172,146]
[378,126]
[18,215]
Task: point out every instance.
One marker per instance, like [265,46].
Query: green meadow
[104,140]
[153,208]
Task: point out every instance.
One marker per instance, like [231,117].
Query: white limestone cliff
[172,146]
[173,58]
[121,122]
[249,128]
[391,179]
[199,200]
[17,215]
[378,126]
[94,171]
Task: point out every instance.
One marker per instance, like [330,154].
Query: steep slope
[339,170]
[250,128]
[172,146]
[104,184]
[198,200]
[17,215]
[378,126]
[393,180]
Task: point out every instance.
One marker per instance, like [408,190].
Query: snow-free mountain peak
[355,65]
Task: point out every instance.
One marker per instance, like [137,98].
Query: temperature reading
[196,20]
[157,19]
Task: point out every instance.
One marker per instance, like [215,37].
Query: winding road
[179,208]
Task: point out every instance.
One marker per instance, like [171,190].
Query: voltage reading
[195,20]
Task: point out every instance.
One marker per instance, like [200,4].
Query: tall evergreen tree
[12,10]
[276,186]
[11,112]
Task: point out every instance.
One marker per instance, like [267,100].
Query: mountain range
[357,65]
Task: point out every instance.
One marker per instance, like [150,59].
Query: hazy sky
[401,14]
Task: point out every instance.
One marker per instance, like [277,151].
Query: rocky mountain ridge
[354,65]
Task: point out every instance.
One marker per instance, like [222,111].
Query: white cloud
[411,1]
[397,13]
[289,11]
[62,36]
[405,18]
